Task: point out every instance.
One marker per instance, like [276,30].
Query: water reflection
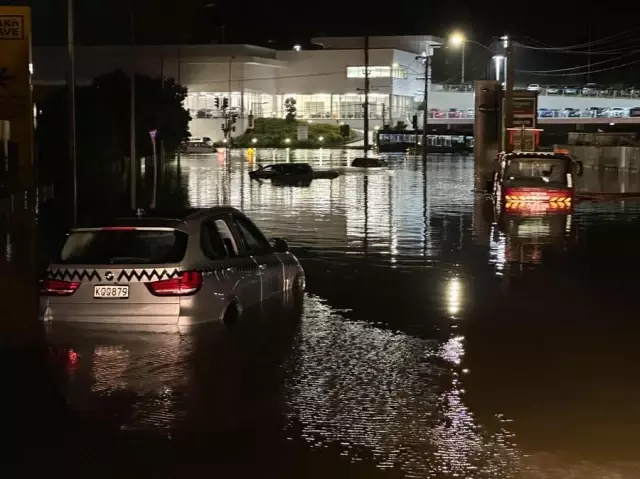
[439,338]
[395,397]
[391,211]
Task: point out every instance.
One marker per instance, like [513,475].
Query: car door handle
[231,269]
[262,266]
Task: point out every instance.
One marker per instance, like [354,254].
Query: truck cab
[536,180]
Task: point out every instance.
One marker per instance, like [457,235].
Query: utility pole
[426,58]
[366,95]
[508,94]
[72,106]
[132,120]
[227,115]
[589,55]
[462,67]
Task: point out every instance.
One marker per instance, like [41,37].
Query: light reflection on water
[405,266]
[397,397]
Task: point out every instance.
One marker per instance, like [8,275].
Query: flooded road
[437,339]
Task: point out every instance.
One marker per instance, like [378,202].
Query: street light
[497,60]
[458,40]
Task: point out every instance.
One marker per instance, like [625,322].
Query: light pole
[133,164]
[458,40]
[72,105]
[498,62]
[426,58]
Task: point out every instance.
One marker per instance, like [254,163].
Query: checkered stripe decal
[125,275]
[147,275]
[63,274]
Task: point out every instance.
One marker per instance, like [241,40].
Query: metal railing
[542,114]
[568,91]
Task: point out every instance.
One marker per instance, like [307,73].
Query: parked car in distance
[590,112]
[552,90]
[570,90]
[615,112]
[545,113]
[570,112]
[590,89]
[173,269]
[533,87]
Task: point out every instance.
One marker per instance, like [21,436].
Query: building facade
[327,84]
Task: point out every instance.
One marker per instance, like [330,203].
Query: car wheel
[231,315]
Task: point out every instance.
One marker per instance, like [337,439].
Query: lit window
[397,71]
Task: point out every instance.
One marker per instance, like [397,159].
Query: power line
[587,73]
[580,45]
[595,52]
[579,67]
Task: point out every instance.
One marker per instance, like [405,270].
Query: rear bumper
[137,322]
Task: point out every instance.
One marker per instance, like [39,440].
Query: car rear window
[124,247]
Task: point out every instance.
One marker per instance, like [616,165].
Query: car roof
[162,218]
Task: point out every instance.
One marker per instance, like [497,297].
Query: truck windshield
[537,172]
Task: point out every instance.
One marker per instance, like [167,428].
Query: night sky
[285,22]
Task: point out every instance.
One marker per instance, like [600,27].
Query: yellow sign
[16,105]
[15,56]
[11,27]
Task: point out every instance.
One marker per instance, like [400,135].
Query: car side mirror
[279,245]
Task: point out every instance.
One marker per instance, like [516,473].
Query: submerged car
[535,180]
[291,172]
[184,269]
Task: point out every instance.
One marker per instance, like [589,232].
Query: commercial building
[326,83]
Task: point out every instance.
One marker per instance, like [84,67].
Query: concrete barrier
[619,157]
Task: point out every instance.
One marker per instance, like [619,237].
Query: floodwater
[436,339]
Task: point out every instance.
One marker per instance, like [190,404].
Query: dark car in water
[268,172]
[293,173]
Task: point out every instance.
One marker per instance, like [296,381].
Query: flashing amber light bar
[537,199]
[537,206]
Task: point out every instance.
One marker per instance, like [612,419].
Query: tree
[103,133]
[290,108]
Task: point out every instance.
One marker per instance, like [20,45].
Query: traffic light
[222,127]
[414,122]
[217,102]
[225,103]
[252,124]
[234,118]
[345,130]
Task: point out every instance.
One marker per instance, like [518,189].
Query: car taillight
[187,283]
[55,287]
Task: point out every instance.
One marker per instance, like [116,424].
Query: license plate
[111,292]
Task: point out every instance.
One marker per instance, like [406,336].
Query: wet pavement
[437,339]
